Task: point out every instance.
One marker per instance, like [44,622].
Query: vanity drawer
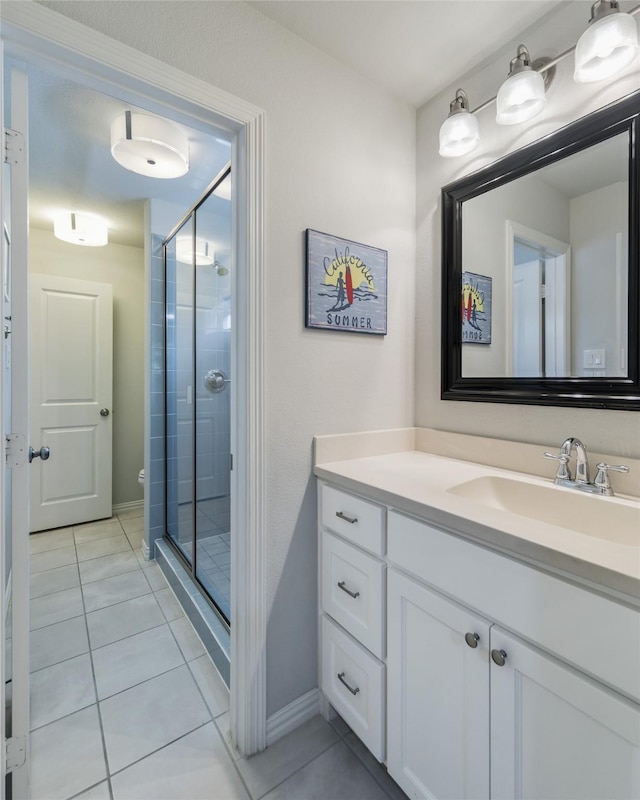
[356,519]
[347,571]
[558,616]
[354,683]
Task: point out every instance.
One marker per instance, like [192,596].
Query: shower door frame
[191,568]
[40,36]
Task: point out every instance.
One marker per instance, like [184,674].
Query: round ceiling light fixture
[76,227]
[150,146]
[204,255]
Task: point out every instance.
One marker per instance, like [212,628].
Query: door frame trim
[41,35]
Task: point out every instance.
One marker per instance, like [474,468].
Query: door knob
[43,453]
[104,412]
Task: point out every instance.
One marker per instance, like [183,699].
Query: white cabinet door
[438,694]
[557,734]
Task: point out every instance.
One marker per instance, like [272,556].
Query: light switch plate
[594,359]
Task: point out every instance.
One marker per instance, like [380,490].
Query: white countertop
[419,484]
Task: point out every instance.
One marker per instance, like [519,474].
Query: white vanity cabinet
[352,585]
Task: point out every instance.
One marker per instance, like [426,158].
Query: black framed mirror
[541,270]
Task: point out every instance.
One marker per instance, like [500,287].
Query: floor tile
[223,724]
[50,540]
[153,574]
[187,639]
[336,774]
[101,530]
[268,769]
[131,513]
[123,619]
[54,580]
[123,664]
[103,547]
[107,566]
[56,607]
[151,715]
[98,792]
[97,523]
[58,642]
[60,690]
[376,770]
[213,688]
[51,559]
[195,767]
[67,756]
[107,592]
[134,525]
[135,539]
[171,608]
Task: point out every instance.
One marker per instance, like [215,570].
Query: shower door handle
[216,380]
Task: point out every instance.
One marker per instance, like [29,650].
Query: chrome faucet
[601,484]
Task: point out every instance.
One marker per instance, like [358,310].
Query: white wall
[597,291]
[340,158]
[615,432]
[123,268]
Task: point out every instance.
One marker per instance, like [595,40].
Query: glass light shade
[150,146]
[459,134]
[605,48]
[205,255]
[79,228]
[521,97]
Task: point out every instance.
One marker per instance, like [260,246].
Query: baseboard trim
[292,716]
[134,505]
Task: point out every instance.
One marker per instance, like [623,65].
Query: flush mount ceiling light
[77,227]
[150,146]
[608,45]
[460,132]
[522,96]
[204,255]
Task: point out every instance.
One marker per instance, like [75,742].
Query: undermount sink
[610,520]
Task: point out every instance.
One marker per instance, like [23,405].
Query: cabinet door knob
[472,639]
[499,657]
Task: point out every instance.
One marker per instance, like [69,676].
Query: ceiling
[71,167]
[405,47]
[412,48]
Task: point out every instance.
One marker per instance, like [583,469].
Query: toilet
[141,477]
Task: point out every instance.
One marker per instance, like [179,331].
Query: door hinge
[543,291]
[15,752]
[14,147]
[15,450]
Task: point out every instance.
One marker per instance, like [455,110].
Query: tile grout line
[95,686]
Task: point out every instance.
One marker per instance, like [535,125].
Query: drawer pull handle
[350,520]
[499,657]
[472,639]
[342,585]
[342,680]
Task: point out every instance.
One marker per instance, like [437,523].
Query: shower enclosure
[197,392]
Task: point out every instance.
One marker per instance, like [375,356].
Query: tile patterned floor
[126,705]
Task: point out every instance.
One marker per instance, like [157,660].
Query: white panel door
[437,694]
[71,392]
[556,734]
[527,320]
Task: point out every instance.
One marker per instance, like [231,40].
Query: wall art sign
[476,308]
[346,285]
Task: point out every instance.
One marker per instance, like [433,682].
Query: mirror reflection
[545,270]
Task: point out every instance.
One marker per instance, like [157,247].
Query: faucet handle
[602,476]
[563,472]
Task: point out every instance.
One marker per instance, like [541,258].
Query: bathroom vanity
[479,627]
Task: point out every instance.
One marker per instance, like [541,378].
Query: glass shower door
[197,393]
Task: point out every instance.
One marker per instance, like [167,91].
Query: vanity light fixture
[76,227]
[608,45]
[522,96]
[204,255]
[460,132]
[151,146]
